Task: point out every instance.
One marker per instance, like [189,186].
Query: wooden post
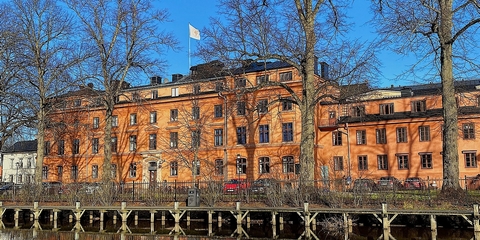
[163,218]
[248,220]
[219,219]
[274,218]
[385,222]
[433,226]
[188,219]
[136,218]
[476,223]
[306,215]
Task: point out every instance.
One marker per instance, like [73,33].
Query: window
[74,171]
[19,178]
[262,79]
[29,162]
[115,121]
[361,137]
[154,94]
[174,168]
[382,162]
[264,165]
[287,104]
[152,141]
[173,115]
[133,142]
[196,89]
[173,139]
[175,92]
[381,135]
[196,138]
[241,166]
[76,123]
[133,119]
[468,131]
[386,109]
[114,144]
[362,163]
[338,163]
[262,106]
[288,164]
[426,160]
[218,137]
[240,83]
[358,111]
[195,113]
[218,111]
[336,138]
[285,76]
[59,173]
[241,135]
[219,167]
[44,173]
[287,132]
[95,145]
[419,106]
[94,171]
[76,146]
[77,102]
[402,161]
[402,135]
[241,109]
[196,167]
[153,117]
[132,170]
[114,170]
[96,122]
[424,133]
[46,151]
[135,96]
[264,134]
[218,86]
[470,159]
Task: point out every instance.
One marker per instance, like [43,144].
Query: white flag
[194,33]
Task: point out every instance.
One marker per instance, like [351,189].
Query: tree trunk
[40,142]
[107,149]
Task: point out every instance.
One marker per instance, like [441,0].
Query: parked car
[53,187]
[414,183]
[9,187]
[235,186]
[389,182]
[364,184]
[261,185]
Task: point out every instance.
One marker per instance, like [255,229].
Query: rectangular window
[74,172]
[196,139]
[114,170]
[402,161]
[95,171]
[46,151]
[115,121]
[240,83]
[381,135]
[196,89]
[59,173]
[262,79]
[113,145]
[173,115]
[264,164]
[424,133]
[44,173]
[195,113]
[29,162]
[153,117]
[287,104]
[175,92]
[285,76]
[402,135]
[154,94]
[241,108]
[174,168]
[133,142]
[362,163]
[358,111]
[468,130]
[262,106]
[77,102]
[19,178]
[419,106]
[218,111]
[470,159]
[264,134]
[287,132]
[382,162]
[76,146]
[241,166]
[218,137]
[95,145]
[426,160]
[96,122]
[196,167]
[241,135]
[361,137]
[338,163]
[133,119]
[174,140]
[152,141]
[336,138]
[386,109]
[132,170]
[219,167]
[288,164]
[135,96]
[218,86]
[61,147]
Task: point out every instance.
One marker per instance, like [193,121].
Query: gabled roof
[23,146]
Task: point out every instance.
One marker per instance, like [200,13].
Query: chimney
[176,77]
[324,70]
[155,80]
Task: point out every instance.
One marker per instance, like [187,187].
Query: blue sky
[197,13]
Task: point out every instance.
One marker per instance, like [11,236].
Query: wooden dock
[241,214]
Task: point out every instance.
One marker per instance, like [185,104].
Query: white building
[19,162]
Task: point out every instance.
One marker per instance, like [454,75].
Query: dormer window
[386,109]
[262,79]
[196,89]
[358,111]
[419,106]
[240,83]
[286,76]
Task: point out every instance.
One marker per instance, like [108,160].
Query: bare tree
[296,32]
[124,41]
[430,29]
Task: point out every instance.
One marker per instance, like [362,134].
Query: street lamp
[16,179]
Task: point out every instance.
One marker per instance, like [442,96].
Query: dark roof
[261,66]
[436,88]
[23,146]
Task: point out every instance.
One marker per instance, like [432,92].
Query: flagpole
[189,61]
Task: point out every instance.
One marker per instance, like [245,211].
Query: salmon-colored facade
[220,128]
